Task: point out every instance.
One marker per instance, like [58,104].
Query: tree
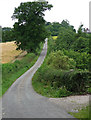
[0,34]
[30,29]
[65,39]
[81,44]
[65,24]
[7,34]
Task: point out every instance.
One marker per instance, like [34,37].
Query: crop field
[9,52]
[55,37]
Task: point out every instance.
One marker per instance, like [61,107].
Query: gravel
[72,103]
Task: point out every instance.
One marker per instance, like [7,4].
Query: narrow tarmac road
[21,101]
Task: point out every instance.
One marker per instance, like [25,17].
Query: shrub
[74,81]
[77,81]
[60,61]
[82,59]
[63,92]
[81,44]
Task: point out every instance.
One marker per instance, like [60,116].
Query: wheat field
[9,52]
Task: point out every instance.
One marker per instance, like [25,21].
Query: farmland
[9,52]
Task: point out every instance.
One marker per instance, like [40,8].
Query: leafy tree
[6,29]
[53,28]
[65,39]
[30,28]
[7,34]
[65,24]
[81,44]
[80,30]
[0,34]
[90,52]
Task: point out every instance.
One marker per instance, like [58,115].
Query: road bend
[21,101]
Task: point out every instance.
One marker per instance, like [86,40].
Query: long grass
[12,71]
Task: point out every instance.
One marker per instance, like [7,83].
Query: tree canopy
[7,34]
[30,29]
[55,27]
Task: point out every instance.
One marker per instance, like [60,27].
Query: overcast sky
[75,11]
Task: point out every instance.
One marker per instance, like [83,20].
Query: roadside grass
[12,71]
[47,90]
[9,75]
[0,90]
[83,113]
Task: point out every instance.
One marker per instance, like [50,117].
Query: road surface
[21,101]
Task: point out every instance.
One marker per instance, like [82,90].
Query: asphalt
[21,101]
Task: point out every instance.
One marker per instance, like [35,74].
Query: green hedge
[73,81]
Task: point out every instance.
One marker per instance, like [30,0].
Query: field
[9,52]
[54,37]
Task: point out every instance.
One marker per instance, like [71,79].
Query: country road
[21,101]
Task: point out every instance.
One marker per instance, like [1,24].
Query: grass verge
[12,71]
[83,113]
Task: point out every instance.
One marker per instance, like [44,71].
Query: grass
[83,113]
[44,90]
[12,71]
[48,91]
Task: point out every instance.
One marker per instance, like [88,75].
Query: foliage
[55,27]
[65,39]
[81,58]
[74,81]
[6,29]
[12,71]
[0,34]
[30,28]
[81,44]
[58,60]
[55,82]
[7,35]
[79,32]
[90,52]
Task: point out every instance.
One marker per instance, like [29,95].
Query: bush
[58,60]
[73,81]
[76,81]
[82,59]
[81,44]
